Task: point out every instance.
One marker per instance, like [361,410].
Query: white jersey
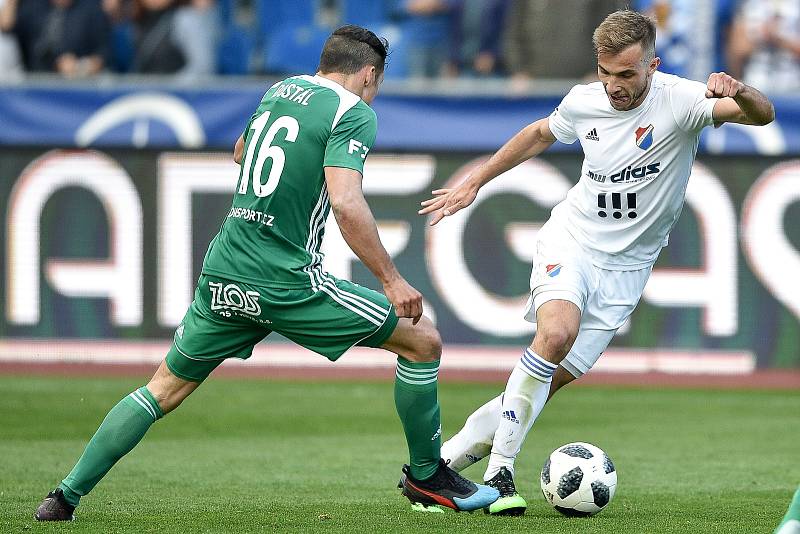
[635,170]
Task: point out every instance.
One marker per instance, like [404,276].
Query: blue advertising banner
[166,118]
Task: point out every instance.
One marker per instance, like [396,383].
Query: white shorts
[562,270]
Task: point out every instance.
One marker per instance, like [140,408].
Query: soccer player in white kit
[639,130]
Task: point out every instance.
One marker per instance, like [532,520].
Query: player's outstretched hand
[448,201]
[721,85]
[407,301]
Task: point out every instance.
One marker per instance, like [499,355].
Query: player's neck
[348,81]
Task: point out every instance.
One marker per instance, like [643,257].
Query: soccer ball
[579,479]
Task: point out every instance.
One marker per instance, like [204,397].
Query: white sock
[474,441]
[523,400]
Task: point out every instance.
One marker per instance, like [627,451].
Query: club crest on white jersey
[644,136]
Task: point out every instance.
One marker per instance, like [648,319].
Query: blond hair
[625,28]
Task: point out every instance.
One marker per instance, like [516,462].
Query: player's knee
[554,341]
[427,345]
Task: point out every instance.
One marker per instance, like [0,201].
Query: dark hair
[350,48]
[625,28]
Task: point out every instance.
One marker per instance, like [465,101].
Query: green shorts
[227,318]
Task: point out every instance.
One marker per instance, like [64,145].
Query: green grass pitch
[252,455]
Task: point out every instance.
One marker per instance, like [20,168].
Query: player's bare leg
[561,378]
[169,390]
[526,393]
[121,430]
[415,342]
[427,480]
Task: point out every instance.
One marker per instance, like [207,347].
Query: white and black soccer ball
[579,479]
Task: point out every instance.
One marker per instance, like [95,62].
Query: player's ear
[654,63]
[371,75]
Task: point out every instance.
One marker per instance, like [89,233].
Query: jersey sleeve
[351,139]
[561,121]
[692,110]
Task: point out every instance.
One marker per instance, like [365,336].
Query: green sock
[418,407]
[124,426]
[791,521]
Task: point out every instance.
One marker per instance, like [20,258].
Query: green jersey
[273,231]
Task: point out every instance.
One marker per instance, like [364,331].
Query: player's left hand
[721,85]
[446,202]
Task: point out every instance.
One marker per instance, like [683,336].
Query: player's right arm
[361,234]
[527,143]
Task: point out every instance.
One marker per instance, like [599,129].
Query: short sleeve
[692,110]
[562,122]
[351,139]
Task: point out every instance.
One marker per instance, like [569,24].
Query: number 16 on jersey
[261,143]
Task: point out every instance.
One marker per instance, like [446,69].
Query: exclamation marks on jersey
[632,205]
[601,203]
[616,204]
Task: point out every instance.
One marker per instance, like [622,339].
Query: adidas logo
[592,135]
[511,416]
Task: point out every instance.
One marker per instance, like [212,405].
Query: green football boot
[510,502]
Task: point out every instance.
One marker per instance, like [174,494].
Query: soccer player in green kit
[301,154]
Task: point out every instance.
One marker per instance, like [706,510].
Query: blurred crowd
[524,40]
